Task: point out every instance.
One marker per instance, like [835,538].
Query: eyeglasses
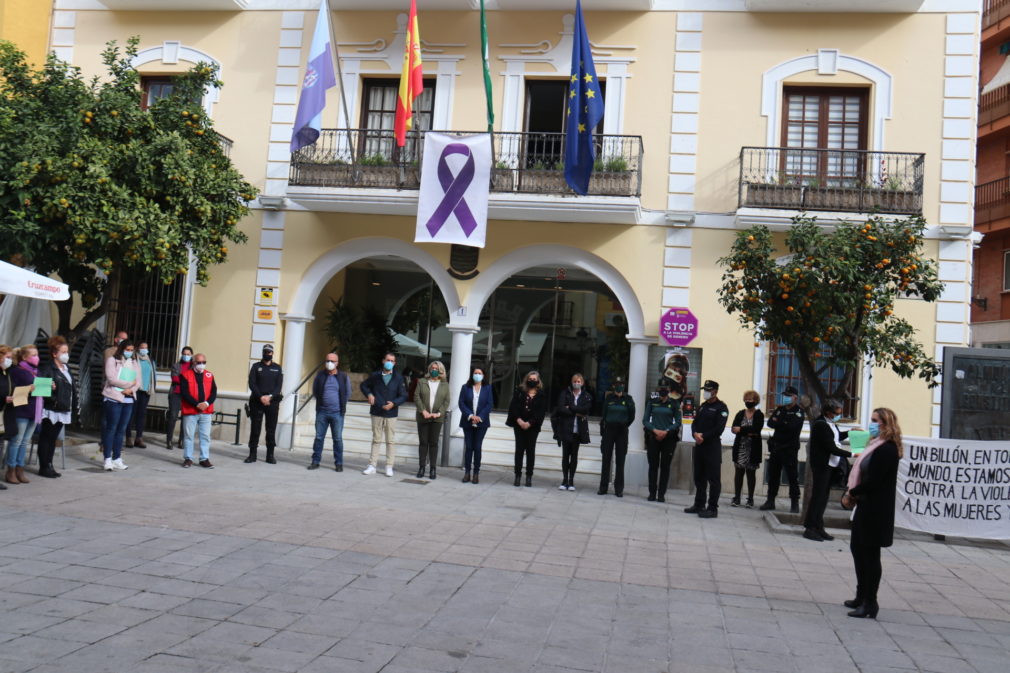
[201,362]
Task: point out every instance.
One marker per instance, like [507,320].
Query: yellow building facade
[26,23]
[707,103]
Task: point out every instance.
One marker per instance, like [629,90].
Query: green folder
[127,375]
[858,440]
[43,387]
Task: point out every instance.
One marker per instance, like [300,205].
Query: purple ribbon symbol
[454,188]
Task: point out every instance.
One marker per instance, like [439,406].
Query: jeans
[191,424]
[140,412]
[18,445]
[116,420]
[473,439]
[334,422]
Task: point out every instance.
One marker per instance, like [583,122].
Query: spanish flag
[411,78]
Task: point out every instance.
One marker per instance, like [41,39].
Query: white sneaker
[108,464]
[369,470]
[389,470]
[571,488]
[562,487]
[118,464]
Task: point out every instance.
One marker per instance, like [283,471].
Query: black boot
[252,456]
[868,609]
[769,504]
[518,479]
[431,473]
[795,508]
[466,477]
[420,472]
[855,602]
[529,479]
[270,456]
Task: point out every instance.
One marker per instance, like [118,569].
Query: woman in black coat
[825,441]
[747,426]
[572,411]
[872,482]
[6,397]
[526,415]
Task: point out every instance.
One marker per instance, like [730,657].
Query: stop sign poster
[678,327]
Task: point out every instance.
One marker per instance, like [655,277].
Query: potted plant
[893,197]
[502,177]
[322,173]
[835,197]
[783,191]
[543,178]
[612,177]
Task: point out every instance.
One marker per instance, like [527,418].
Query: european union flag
[585,110]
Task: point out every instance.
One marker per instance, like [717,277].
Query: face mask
[750,404]
[387,365]
[576,386]
[531,383]
[7,362]
[663,392]
[200,366]
[619,389]
[330,366]
[144,351]
[434,373]
[787,399]
[187,358]
[127,354]
[477,378]
[874,429]
[64,358]
[837,418]
[268,358]
[706,395]
[33,360]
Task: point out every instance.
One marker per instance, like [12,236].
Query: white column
[294,353]
[459,372]
[638,367]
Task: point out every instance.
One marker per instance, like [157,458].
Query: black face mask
[619,389]
[531,383]
[750,405]
[663,392]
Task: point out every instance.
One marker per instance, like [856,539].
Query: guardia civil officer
[784,447]
[662,419]
[709,422]
[265,381]
[618,414]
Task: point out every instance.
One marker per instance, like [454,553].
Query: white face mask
[706,395]
[199,366]
[64,358]
[7,362]
[331,365]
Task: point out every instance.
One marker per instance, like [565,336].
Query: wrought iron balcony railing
[858,181]
[225,142]
[992,200]
[994,11]
[531,163]
[993,105]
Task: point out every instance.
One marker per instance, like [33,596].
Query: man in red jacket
[199,390]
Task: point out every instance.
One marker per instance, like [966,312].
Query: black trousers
[257,412]
[49,432]
[783,458]
[660,455]
[427,447]
[174,407]
[613,444]
[569,459]
[820,491]
[707,475]
[526,445]
[866,559]
[139,419]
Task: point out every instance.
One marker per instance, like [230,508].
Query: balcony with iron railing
[994,11]
[992,201]
[524,163]
[994,105]
[857,181]
[225,142]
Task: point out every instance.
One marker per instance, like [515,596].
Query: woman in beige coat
[431,397]
[122,381]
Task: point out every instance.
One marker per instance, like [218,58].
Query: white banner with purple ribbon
[455,181]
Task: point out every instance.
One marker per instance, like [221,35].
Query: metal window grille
[148,310]
[784,370]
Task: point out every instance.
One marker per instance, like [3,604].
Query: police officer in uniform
[618,414]
[662,430]
[265,381]
[784,447]
[707,427]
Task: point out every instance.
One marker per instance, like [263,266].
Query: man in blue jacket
[331,390]
[386,392]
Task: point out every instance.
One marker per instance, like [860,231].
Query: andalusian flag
[487,69]
[411,79]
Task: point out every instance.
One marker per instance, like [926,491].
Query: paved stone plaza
[274,568]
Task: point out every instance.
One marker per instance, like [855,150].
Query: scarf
[855,473]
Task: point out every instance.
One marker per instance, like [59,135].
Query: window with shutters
[155,88]
[784,371]
[378,117]
[824,119]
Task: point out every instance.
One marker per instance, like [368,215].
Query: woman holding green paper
[122,380]
[56,409]
[26,416]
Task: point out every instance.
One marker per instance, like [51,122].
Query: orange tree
[830,296]
[95,187]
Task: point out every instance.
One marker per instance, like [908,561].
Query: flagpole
[340,76]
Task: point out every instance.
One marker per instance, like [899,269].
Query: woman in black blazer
[747,448]
[573,408]
[872,482]
[825,441]
[526,415]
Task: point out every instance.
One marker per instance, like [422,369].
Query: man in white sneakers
[386,392]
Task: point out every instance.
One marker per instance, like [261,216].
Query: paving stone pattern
[274,568]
